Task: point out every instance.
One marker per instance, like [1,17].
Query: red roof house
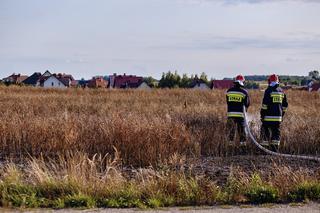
[315,87]
[125,81]
[15,79]
[221,84]
[97,82]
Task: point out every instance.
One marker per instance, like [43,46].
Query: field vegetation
[126,148]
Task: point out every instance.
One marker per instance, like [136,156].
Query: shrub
[260,192]
[304,191]
[18,195]
[79,200]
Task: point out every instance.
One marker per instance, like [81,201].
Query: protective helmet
[240,79]
[273,80]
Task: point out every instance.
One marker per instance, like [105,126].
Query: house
[144,86]
[49,80]
[97,82]
[47,74]
[125,81]
[33,79]
[83,83]
[14,79]
[54,82]
[37,79]
[314,87]
[221,84]
[75,83]
[199,84]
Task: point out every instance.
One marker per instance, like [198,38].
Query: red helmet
[273,79]
[240,79]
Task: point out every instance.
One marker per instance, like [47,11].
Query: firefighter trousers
[233,125]
[270,131]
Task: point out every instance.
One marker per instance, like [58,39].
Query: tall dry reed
[146,127]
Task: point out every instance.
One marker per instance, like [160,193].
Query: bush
[119,202]
[18,196]
[304,191]
[260,192]
[54,190]
[79,200]
[155,203]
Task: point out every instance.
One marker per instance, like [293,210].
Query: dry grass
[80,181]
[146,127]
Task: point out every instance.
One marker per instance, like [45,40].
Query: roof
[127,81]
[15,78]
[222,84]
[33,79]
[315,87]
[74,83]
[196,82]
[97,82]
[133,85]
[21,78]
[66,80]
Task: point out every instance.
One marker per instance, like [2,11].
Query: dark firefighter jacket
[274,104]
[236,99]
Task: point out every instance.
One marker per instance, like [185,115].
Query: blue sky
[148,37]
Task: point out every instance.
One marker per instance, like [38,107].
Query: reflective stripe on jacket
[274,104]
[237,97]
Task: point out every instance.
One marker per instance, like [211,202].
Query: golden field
[130,148]
[145,127]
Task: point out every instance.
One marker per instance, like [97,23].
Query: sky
[147,37]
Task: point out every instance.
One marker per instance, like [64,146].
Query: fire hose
[254,141]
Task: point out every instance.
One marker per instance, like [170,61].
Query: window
[52,84]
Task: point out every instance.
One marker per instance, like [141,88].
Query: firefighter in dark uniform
[274,106]
[237,100]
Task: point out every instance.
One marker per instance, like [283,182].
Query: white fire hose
[271,152]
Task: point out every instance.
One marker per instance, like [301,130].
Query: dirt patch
[219,168]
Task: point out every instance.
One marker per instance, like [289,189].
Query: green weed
[304,191]
[259,192]
[79,201]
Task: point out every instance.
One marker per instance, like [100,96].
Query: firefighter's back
[274,104]
[236,99]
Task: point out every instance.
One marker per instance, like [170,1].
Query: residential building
[97,82]
[33,79]
[314,87]
[56,80]
[143,86]
[125,81]
[49,80]
[199,84]
[14,79]
[221,84]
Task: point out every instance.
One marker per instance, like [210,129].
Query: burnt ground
[219,168]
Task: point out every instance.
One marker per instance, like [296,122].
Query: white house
[199,84]
[144,86]
[53,82]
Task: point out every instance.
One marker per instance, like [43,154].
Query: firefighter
[274,106]
[237,100]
